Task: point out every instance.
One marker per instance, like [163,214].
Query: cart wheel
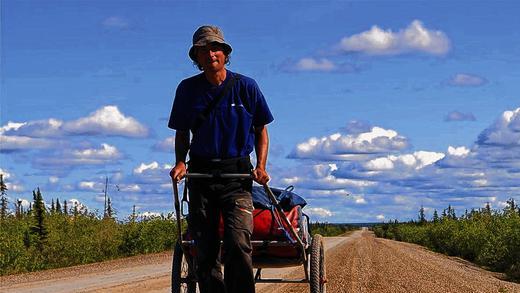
[317,269]
[183,281]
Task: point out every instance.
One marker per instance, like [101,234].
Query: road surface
[357,263]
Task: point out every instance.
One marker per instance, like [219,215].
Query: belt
[219,165]
[216,160]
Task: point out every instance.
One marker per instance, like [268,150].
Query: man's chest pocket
[237,123]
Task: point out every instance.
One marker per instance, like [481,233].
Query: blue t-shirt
[228,131]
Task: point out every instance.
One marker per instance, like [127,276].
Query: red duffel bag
[268,226]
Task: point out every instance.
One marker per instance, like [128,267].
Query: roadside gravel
[92,277]
[369,264]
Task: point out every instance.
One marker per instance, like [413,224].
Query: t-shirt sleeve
[179,119]
[262,115]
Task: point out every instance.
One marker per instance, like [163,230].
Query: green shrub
[328,230]
[80,239]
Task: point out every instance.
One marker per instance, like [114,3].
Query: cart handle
[218,175]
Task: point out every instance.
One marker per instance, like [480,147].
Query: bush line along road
[357,263]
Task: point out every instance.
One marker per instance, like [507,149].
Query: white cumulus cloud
[459,116]
[349,146]
[76,203]
[143,167]
[320,212]
[465,79]
[166,145]
[11,126]
[15,187]
[15,143]
[311,64]
[426,158]
[379,164]
[399,163]
[458,151]
[40,128]
[107,120]
[5,173]
[149,215]
[10,181]
[320,179]
[24,203]
[130,188]
[504,132]
[358,199]
[90,186]
[398,183]
[115,22]
[414,38]
[151,177]
[105,154]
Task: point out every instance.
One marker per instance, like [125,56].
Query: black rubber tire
[317,265]
[182,279]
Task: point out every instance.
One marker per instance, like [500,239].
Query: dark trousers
[209,200]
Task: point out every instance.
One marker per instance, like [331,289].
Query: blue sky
[380,106]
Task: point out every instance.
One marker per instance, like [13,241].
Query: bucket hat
[205,35]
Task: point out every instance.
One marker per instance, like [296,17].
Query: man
[227,115]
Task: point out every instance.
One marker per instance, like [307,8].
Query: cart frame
[311,252]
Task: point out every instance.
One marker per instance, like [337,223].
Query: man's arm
[182,144]
[261,147]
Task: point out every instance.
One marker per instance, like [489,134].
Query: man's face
[211,57]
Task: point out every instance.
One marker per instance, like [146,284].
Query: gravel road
[146,273]
[358,263]
[369,264]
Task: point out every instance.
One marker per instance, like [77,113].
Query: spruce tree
[3,199]
[435,216]
[53,208]
[39,218]
[511,207]
[3,187]
[109,209]
[58,206]
[18,209]
[133,214]
[449,213]
[422,216]
[487,209]
[65,208]
[452,214]
[3,207]
[76,209]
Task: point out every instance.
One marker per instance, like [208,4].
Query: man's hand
[178,172]
[260,176]
[261,146]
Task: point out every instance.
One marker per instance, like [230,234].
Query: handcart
[286,242]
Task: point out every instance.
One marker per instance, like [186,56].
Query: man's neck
[216,77]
